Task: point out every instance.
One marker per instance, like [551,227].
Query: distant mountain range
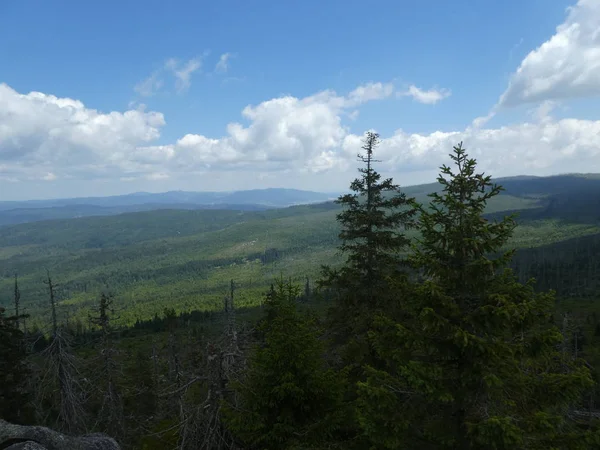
[574,194]
[15,212]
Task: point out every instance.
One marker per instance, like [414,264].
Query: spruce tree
[478,364]
[373,222]
[288,398]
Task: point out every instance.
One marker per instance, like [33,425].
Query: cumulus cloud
[565,66]
[42,136]
[223,64]
[428,97]
[543,147]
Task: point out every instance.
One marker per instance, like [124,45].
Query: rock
[26,446]
[18,437]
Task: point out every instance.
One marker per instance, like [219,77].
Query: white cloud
[368,92]
[183,72]
[544,147]
[428,97]
[156,176]
[222,65]
[353,115]
[149,86]
[49,177]
[565,66]
[41,133]
[300,137]
[542,112]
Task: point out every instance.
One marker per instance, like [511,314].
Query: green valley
[185,259]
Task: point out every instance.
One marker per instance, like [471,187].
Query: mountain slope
[186,258]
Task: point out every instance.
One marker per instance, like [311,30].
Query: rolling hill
[185,258]
[15,212]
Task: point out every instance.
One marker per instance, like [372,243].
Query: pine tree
[372,225]
[288,398]
[478,365]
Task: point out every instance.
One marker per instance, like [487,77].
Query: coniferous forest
[432,332]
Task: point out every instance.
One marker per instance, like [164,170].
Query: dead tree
[59,380]
[110,416]
[202,427]
[17,300]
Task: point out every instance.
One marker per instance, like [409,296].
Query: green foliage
[370,222]
[476,361]
[185,259]
[288,398]
[371,237]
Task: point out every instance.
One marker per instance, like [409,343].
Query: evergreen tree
[372,238]
[288,398]
[478,365]
[14,373]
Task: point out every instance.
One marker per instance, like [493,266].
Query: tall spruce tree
[372,222]
[288,398]
[478,365]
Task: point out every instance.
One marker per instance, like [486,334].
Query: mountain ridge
[563,189]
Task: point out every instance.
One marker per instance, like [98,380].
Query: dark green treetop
[372,223]
[477,365]
[288,398]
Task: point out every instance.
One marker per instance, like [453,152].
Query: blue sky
[131,95]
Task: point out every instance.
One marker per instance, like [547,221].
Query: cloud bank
[565,66]
[43,137]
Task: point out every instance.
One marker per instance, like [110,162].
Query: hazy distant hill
[565,192]
[12,213]
[274,197]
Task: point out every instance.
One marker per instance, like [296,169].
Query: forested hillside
[184,259]
[386,319]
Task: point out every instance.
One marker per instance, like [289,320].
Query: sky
[114,97]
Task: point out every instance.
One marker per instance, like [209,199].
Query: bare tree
[17,300]
[59,383]
[110,416]
[202,427]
